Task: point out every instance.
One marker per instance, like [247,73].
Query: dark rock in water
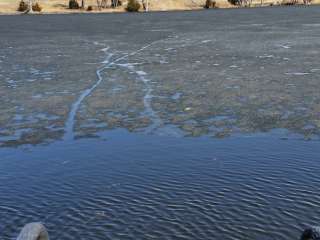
[311,233]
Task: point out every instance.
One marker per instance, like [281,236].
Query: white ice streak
[284,46]
[266,56]
[141,73]
[70,122]
[297,73]
[160,30]
[147,99]
[105,49]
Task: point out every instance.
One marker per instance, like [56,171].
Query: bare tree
[101,4]
[145,5]
[30,10]
[114,3]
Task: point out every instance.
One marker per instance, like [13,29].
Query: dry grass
[50,6]
[60,6]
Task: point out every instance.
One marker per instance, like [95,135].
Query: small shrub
[133,6]
[90,8]
[36,7]
[23,6]
[73,4]
[210,4]
[235,2]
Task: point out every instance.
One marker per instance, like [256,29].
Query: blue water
[135,186]
[70,85]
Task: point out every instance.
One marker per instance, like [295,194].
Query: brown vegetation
[23,7]
[210,4]
[133,6]
[62,6]
[73,4]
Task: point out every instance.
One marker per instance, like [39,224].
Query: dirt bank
[60,6]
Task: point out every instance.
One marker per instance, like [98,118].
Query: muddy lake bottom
[180,125]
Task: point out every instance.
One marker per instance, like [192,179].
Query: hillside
[60,6]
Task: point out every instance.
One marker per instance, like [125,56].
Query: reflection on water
[131,186]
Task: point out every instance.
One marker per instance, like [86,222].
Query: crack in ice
[69,125]
[147,99]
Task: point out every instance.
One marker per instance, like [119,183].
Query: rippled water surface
[128,186]
[190,125]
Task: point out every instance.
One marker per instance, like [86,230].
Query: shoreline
[221,5]
[143,12]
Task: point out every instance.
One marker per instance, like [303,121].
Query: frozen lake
[189,125]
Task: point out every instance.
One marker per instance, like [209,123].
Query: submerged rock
[311,233]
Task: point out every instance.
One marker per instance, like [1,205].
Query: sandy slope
[60,6]
[49,6]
